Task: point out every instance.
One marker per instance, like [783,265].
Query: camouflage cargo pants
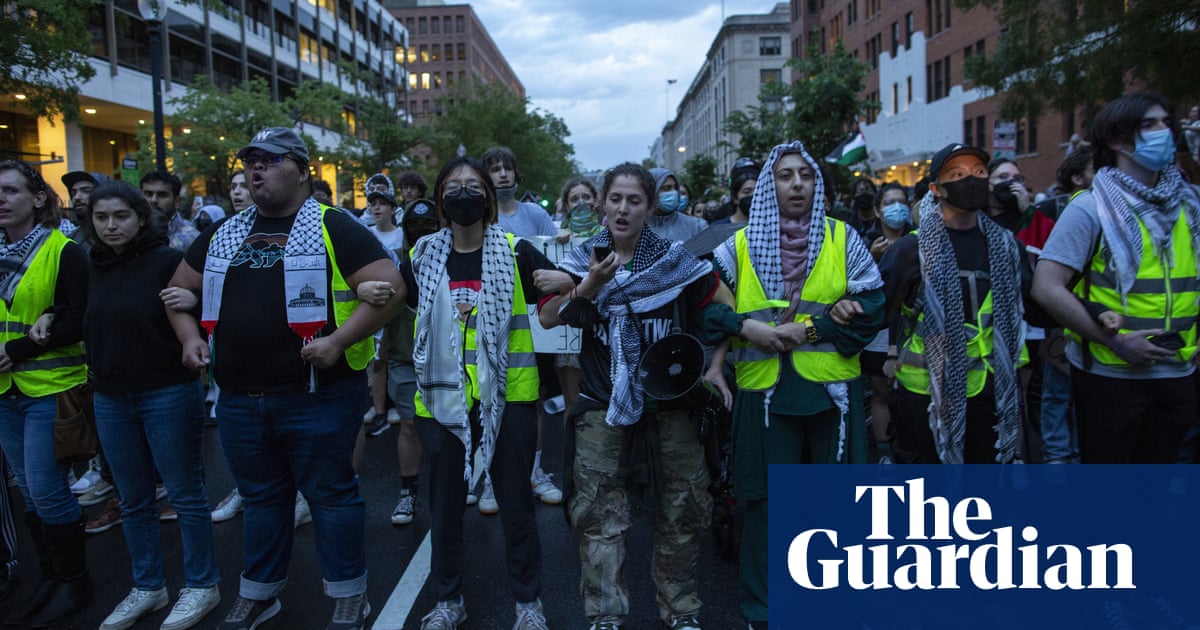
[599,509]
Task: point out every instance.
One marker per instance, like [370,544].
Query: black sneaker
[378,425]
[350,613]
[248,614]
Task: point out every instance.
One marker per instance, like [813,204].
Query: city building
[448,47]
[748,51]
[917,52]
[230,41]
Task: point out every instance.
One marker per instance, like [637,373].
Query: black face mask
[967,194]
[744,204]
[464,207]
[863,202]
[1005,197]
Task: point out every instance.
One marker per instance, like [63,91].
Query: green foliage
[488,115]
[1060,54]
[44,50]
[700,174]
[819,108]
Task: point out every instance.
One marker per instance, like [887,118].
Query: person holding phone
[632,287]
[1129,245]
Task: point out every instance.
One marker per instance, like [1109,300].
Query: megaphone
[672,368]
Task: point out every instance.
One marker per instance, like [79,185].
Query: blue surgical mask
[1155,150]
[668,201]
[683,202]
[896,215]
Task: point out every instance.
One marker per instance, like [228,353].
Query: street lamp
[153,12]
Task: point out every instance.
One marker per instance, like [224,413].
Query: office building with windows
[917,51]
[748,51]
[284,43]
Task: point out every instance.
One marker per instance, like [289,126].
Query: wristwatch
[810,330]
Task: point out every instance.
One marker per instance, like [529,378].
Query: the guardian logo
[974,554]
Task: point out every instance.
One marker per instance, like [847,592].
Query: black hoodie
[130,344]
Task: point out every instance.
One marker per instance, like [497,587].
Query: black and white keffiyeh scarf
[763,240]
[658,273]
[437,349]
[1120,199]
[15,258]
[946,338]
[306,286]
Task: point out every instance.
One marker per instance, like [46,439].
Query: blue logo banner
[982,547]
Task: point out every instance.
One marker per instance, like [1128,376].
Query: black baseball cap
[952,150]
[280,141]
[421,209]
[372,196]
[74,177]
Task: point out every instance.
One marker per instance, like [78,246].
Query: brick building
[917,51]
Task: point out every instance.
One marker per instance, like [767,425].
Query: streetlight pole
[153,12]
[667,99]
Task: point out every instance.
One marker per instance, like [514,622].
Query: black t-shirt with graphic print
[465,271]
[595,357]
[255,349]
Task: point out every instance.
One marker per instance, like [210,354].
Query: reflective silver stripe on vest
[48,364]
[1148,286]
[518,322]
[14,327]
[515,359]
[918,361]
[1144,323]
[345,296]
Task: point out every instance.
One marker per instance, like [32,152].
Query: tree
[1060,54]
[819,108]
[700,174]
[488,115]
[44,48]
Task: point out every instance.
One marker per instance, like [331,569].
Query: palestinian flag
[852,151]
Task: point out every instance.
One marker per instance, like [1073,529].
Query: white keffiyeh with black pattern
[437,349]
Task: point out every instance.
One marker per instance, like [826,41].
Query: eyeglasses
[473,185]
[252,162]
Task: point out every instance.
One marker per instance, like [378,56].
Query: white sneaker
[303,514]
[472,498]
[137,604]
[393,416]
[86,482]
[369,415]
[193,605]
[97,494]
[160,491]
[544,487]
[403,514]
[228,507]
[487,500]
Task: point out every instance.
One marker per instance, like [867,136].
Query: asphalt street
[396,564]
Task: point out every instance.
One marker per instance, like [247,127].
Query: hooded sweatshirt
[674,226]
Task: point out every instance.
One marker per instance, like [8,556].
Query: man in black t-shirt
[290,342]
[954,293]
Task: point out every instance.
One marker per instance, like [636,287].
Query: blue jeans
[278,443]
[160,428]
[27,436]
[1059,439]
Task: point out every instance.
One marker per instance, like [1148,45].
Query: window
[424,53]
[434,26]
[437,80]
[873,111]
[460,51]
[424,80]
[908,29]
[981,132]
[769,46]
[437,53]
[447,27]
[852,12]
[895,98]
[938,12]
[873,7]
[895,38]
[909,81]
[937,79]
[1027,132]
[422,26]
[968,131]
[768,75]
[449,79]
[449,52]
[460,25]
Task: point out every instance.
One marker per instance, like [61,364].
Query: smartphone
[1170,341]
[601,252]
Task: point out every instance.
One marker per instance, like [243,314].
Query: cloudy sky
[602,66]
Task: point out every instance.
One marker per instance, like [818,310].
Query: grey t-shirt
[530,219]
[675,226]
[1072,243]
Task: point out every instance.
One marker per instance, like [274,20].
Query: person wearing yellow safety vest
[954,290]
[477,382]
[811,280]
[1129,245]
[289,343]
[628,288]
[42,271]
